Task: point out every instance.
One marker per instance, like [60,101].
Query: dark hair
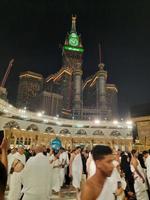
[145,152]
[3,178]
[133,151]
[99,151]
[78,147]
[140,158]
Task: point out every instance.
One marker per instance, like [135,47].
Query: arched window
[17,141]
[98,132]
[81,132]
[32,127]
[49,130]
[115,133]
[21,140]
[26,141]
[29,141]
[12,124]
[64,131]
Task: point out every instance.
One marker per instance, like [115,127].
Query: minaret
[77,91]
[77,78]
[101,89]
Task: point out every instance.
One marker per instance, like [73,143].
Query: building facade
[140,115]
[76,98]
[31,128]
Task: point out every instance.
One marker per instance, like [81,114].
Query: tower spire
[100,52]
[73,27]
[101,64]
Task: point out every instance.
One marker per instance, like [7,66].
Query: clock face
[73,41]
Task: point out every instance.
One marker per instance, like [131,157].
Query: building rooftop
[29,73]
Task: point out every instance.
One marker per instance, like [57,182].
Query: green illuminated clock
[73,40]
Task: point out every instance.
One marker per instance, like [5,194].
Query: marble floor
[66,194]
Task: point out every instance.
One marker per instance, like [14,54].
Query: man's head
[103,158]
[134,153]
[21,149]
[38,148]
[77,150]
[145,154]
[61,150]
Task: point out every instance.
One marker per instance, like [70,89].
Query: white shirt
[64,158]
[36,176]
[147,163]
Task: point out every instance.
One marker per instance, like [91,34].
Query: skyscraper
[76,98]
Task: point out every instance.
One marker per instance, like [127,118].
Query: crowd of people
[99,174]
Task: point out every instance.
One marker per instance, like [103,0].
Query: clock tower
[72,49]
[72,58]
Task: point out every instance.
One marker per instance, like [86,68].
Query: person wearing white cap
[15,171]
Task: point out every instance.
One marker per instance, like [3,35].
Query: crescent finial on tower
[73,27]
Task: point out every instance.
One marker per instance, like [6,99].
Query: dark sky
[31,31]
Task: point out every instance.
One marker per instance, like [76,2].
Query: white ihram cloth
[147,163]
[114,179]
[139,187]
[107,192]
[10,159]
[56,175]
[77,169]
[36,178]
[90,166]
[15,181]
[64,160]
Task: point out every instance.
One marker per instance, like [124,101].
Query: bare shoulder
[89,191]
[134,162]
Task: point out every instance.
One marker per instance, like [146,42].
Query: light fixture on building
[45,120]
[130,126]
[115,122]
[39,114]
[129,122]
[97,121]
[79,125]
[59,123]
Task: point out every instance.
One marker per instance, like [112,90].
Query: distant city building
[30,86]
[51,103]
[140,115]
[65,93]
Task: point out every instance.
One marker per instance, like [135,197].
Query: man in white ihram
[64,163]
[36,177]
[76,168]
[147,163]
[17,165]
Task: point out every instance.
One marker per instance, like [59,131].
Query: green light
[74,35]
[69,48]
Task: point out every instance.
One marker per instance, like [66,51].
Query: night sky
[31,32]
